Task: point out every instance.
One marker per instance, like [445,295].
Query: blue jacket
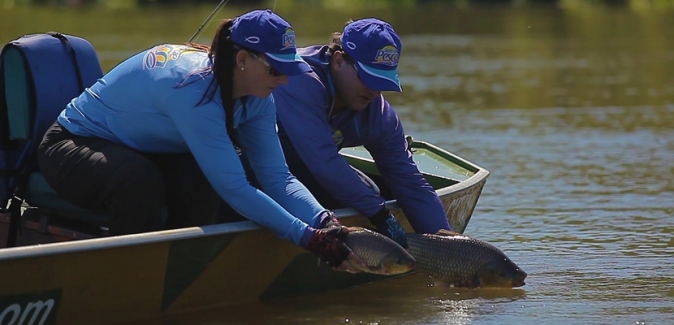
[303,107]
[150,103]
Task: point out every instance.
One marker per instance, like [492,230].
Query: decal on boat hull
[34,308]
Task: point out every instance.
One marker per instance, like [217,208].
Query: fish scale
[463,261]
[381,254]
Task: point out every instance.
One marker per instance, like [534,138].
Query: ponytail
[222,53]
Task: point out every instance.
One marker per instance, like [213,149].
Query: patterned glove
[387,225]
[328,245]
[329,220]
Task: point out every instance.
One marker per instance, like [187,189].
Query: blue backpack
[39,75]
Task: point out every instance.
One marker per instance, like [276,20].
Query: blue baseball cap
[375,47]
[268,33]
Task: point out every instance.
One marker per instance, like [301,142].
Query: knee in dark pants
[98,174]
[190,198]
[136,198]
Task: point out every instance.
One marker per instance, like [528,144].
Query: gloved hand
[328,245]
[329,220]
[387,225]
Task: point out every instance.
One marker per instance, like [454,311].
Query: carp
[463,261]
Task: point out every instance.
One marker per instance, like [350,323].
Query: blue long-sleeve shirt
[309,135]
[150,103]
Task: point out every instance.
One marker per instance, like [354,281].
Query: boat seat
[42,196]
[41,73]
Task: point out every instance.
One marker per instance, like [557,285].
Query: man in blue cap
[339,104]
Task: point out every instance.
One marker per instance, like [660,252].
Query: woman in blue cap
[166,126]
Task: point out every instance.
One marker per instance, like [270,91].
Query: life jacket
[39,75]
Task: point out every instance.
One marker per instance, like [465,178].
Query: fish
[463,261]
[381,254]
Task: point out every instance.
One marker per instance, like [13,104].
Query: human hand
[329,220]
[387,225]
[328,244]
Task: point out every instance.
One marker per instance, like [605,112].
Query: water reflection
[410,300]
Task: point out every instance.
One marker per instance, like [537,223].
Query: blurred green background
[473,54]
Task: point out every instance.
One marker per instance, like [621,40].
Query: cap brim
[288,64]
[378,79]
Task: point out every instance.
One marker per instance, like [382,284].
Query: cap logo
[289,38]
[351,45]
[253,39]
[387,55]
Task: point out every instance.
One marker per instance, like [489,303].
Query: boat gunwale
[86,245]
[480,174]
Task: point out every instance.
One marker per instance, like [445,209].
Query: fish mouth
[518,283]
[519,280]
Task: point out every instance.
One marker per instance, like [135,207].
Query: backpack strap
[73,55]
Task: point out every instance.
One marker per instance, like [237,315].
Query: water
[572,112]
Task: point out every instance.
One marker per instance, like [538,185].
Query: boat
[64,267]
[76,279]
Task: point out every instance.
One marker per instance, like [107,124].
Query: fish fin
[448,233]
[377,270]
[370,227]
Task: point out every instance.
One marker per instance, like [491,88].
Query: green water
[572,112]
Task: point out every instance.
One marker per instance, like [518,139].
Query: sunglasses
[352,62]
[270,70]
